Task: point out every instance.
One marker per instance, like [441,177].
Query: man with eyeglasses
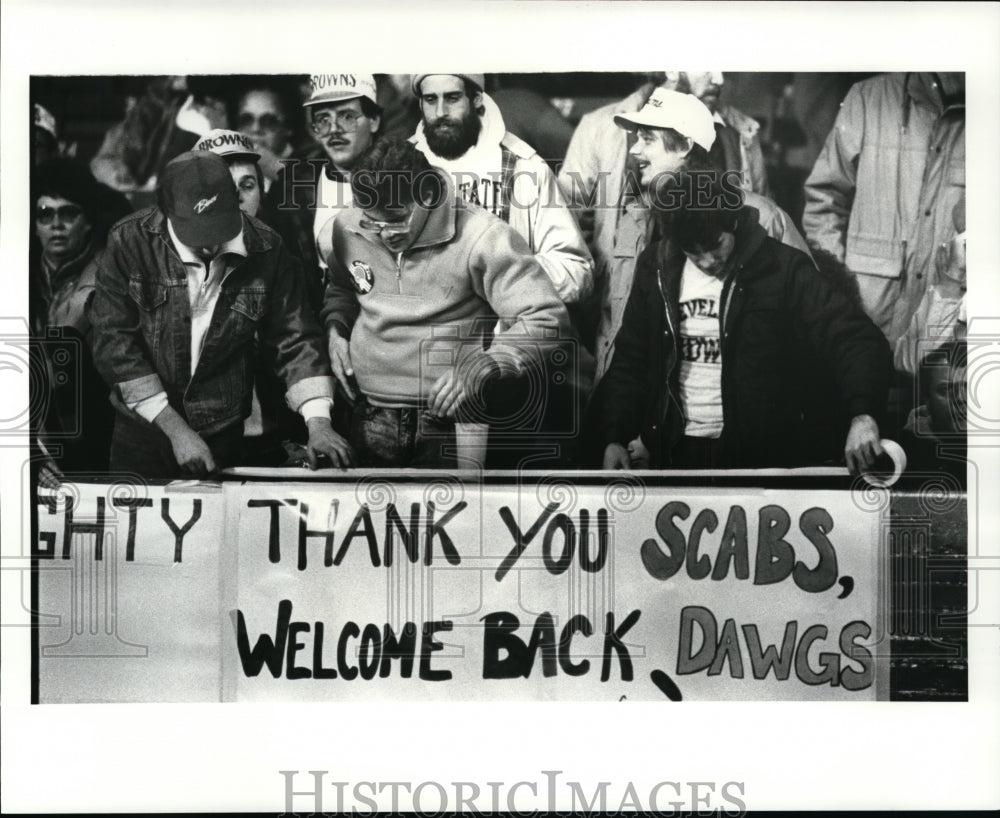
[417,278]
[344,118]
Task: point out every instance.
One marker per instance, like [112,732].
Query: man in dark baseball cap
[200,200]
[187,294]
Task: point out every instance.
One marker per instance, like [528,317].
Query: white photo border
[162,758]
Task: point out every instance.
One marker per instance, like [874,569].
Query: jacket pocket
[148,295]
[151,298]
[251,304]
[246,310]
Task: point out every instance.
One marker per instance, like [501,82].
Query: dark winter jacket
[792,341]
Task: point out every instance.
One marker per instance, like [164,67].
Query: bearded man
[462,132]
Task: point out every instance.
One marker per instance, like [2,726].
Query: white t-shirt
[700,352]
[331,198]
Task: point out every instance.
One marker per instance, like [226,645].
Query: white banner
[451,590]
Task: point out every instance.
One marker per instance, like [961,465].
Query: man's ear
[376,124]
[477,100]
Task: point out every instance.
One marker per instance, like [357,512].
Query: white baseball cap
[685,113]
[328,88]
[227,143]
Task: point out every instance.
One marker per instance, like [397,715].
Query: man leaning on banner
[183,290]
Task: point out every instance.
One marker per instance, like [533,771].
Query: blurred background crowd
[100,145]
[126,128]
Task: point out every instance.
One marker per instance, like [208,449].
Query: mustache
[443,122]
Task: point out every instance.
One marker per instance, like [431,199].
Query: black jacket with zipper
[799,358]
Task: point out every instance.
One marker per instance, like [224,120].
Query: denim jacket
[142,326]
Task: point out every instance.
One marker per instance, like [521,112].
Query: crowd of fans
[450,271]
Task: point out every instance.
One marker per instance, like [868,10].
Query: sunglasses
[67,214]
[266,122]
[346,121]
[387,228]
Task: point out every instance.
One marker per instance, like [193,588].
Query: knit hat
[479,80]
[227,143]
[684,113]
[200,199]
[329,88]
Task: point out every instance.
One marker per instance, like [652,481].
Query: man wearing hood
[463,133]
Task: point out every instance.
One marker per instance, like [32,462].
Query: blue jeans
[401,438]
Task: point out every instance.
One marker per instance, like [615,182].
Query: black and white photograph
[580,410]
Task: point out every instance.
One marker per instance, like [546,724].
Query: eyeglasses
[67,214]
[266,122]
[388,228]
[346,121]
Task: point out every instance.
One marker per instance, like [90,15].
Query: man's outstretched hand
[324,442]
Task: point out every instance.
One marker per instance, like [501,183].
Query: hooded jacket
[537,209]
[787,336]
[430,307]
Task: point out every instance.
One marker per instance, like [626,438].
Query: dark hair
[698,230]
[394,173]
[701,159]
[70,179]
[695,207]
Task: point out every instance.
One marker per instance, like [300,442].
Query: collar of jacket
[70,268]
[926,89]
[255,239]
[439,228]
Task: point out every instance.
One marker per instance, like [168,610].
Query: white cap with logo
[330,88]
[684,113]
[227,143]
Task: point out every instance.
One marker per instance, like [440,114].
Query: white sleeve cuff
[316,408]
[149,408]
